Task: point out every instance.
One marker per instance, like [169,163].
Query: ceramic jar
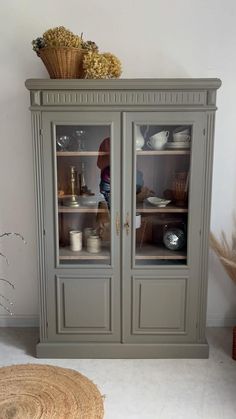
[88,231]
[93,244]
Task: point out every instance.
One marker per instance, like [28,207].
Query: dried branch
[1,254]
[8,234]
[7,309]
[6,299]
[13,234]
[8,282]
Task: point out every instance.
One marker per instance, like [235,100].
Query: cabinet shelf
[65,253]
[159,252]
[162,152]
[62,209]
[169,209]
[81,153]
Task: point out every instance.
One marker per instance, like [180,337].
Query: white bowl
[87,200]
[158,202]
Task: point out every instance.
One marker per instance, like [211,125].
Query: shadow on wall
[21,338]
[223,292]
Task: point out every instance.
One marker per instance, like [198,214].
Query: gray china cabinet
[123,191]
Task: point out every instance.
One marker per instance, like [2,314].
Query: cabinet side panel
[39,207]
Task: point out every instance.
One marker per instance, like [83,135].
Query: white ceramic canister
[76,240]
[93,244]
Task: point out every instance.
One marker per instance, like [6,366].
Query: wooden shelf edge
[67,254]
[164,257]
[65,210]
[162,152]
[81,153]
[168,209]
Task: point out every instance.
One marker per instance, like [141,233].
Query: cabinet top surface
[119,84]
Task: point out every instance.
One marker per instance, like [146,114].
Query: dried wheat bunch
[226,251]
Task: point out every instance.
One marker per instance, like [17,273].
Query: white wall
[156,38]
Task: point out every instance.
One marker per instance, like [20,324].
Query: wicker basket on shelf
[63,62]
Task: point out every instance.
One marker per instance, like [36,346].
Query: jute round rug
[46,392]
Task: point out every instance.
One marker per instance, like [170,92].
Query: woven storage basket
[63,62]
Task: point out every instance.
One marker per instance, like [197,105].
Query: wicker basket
[63,62]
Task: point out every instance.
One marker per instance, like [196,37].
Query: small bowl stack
[181,138]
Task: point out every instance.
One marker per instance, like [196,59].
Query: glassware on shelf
[180,188]
[77,141]
[63,142]
[83,189]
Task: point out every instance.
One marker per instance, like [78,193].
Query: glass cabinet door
[84,193]
[162,174]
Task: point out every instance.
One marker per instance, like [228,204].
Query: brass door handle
[127,225]
[117,224]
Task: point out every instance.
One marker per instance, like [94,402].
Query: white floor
[148,389]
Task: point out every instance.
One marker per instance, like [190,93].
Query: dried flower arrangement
[95,65]
[101,66]
[226,251]
[2,297]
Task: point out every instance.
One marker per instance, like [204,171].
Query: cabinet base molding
[119,350]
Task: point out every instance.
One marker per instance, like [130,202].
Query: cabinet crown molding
[123,92]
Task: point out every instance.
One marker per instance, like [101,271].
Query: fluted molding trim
[39,199]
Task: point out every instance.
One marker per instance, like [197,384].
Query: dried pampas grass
[226,251]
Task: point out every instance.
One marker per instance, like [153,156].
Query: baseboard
[19,321]
[218,321]
[120,350]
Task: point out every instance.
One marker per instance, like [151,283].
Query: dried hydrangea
[101,66]
[61,37]
[115,68]
[95,66]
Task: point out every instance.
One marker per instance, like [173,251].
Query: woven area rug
[46,392]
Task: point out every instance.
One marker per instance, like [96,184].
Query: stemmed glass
[80,139]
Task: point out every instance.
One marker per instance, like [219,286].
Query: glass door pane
[162,187]
[83,193]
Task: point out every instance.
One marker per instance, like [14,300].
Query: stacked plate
[174,145]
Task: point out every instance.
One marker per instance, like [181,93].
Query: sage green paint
[123,310]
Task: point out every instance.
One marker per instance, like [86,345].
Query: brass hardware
[117,224]
[126,225]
